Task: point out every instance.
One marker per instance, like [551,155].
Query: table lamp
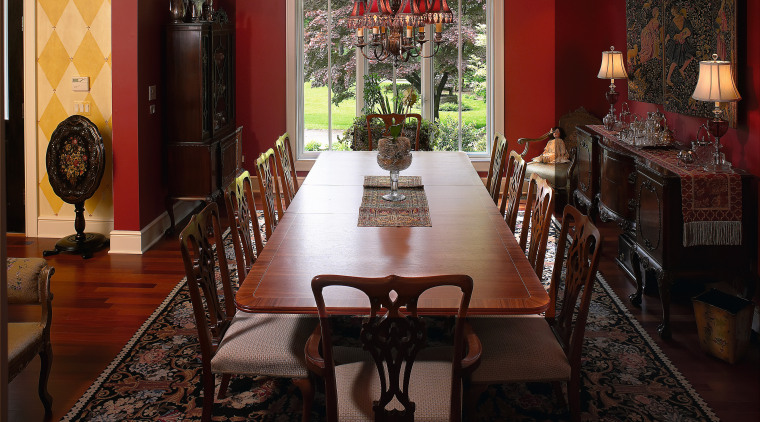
[612,68]
[716,84]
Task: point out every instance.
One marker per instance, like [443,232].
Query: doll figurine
[555,151]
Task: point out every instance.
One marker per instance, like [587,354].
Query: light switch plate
[80,83]
[151,93]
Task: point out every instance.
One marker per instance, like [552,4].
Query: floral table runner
[377,212]
[711,202]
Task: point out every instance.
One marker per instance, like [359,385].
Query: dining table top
[319,234]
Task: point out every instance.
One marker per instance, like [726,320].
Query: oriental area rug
[157,376]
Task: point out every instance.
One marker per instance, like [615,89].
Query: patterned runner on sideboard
[711,202]
[377,212]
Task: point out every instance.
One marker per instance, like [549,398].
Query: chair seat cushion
[265,344]
[358,384]
[22,337]
[517,349]
[555,174]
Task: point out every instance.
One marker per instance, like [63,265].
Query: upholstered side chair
[270,190]
[29,284]
[560,175]
[510,201]
[286,168]
[539,207]
[393,373]
[548,349]
[244,223]
[235,342]
[496,167]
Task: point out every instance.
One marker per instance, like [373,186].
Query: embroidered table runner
[711,203]
[377,212]
[385,181]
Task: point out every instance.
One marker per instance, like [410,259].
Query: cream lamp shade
[716,82]
[612,65]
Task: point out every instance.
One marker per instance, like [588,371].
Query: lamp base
[609,120]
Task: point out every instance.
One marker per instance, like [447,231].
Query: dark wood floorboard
[99,303]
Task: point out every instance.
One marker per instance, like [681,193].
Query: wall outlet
[152,109]
[80,83]
[151,93]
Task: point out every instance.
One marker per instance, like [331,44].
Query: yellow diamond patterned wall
[54,60]
[88,9]
[53,9]
[73,39]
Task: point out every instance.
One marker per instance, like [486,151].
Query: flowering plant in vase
[394,154]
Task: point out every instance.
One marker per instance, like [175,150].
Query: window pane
[343,74]
[316,75]
[445,90]
[474,53]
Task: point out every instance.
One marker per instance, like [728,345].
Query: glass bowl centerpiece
[394,154]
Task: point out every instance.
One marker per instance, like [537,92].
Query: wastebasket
[724,322]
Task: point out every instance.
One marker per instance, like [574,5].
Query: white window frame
[294,88]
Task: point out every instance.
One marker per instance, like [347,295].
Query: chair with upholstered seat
[496,167]
[270,191]
[399,365]
[394,119]
[535,349]
[510,201]
[560,175]
[537,219]
[286,169]
[29,284]
[237,342]
[244,223]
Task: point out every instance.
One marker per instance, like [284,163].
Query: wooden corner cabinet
[644,197]
[202,144]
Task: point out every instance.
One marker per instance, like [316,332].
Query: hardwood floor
[99,303]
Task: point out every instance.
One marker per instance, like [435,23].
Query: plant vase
[394,155]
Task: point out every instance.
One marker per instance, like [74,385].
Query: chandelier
[397,27]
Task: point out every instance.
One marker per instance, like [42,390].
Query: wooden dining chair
[496,168]
[510,202]
[388,120]
[270,191]
[535,349]
[537,219]
[397,366]
[29,285]
[237,342]
[286,168]
[244,223]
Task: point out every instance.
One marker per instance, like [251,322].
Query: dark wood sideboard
[644,199]
[203,151]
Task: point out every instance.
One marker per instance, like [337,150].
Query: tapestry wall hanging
[666,40]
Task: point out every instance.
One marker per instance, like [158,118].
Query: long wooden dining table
[319,234]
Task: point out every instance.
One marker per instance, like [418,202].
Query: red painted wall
[529,71]
[137,41]
[261,84]
[126,191]
[584,29]
[152,18]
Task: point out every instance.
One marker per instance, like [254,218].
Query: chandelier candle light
[716,84]
[612,68]
[397,27]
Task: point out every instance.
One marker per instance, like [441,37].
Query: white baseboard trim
[57,227]
[137,242]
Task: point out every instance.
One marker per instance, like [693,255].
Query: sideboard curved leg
[665,281]
[635,297]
